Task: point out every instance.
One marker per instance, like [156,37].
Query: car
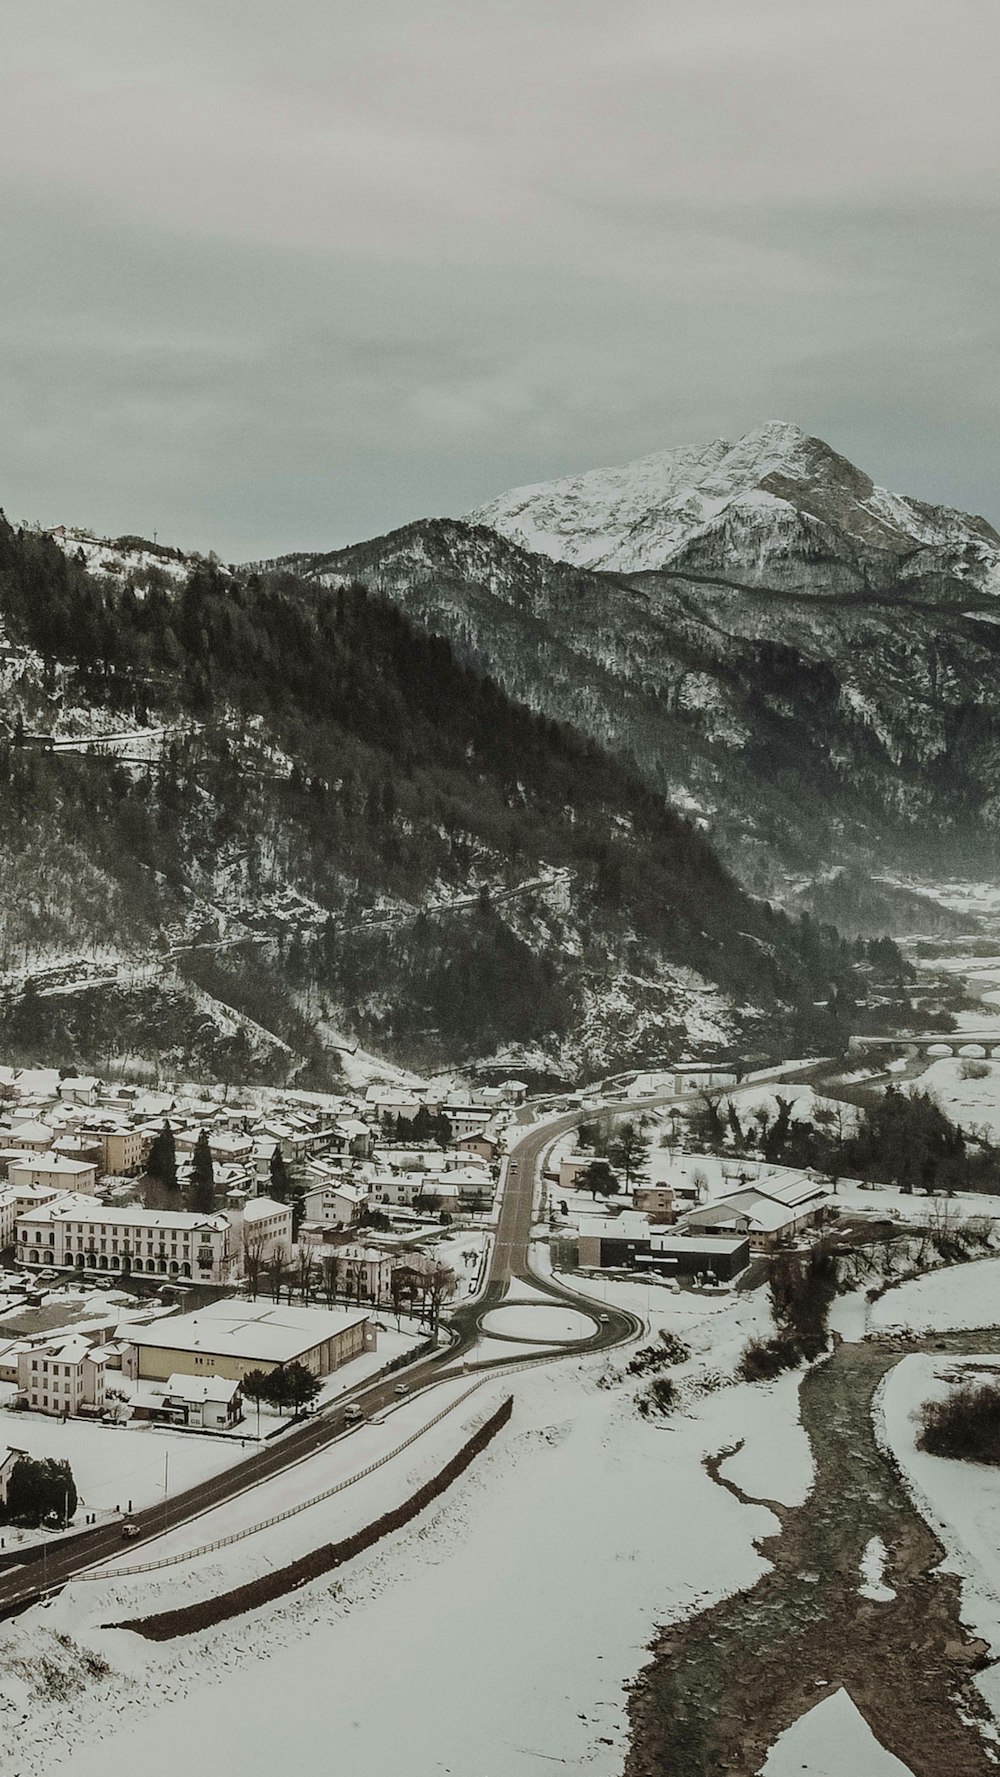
[401,1388]
[353,1414]
[603,1318]
[130,1530]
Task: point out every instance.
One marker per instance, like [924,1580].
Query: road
[509,1261]
[23,1585]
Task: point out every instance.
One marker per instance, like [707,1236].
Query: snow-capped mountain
[774,492]
[805,663]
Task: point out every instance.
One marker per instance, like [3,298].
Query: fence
[236,1536]
[189,1619]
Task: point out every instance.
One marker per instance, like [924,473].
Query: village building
[121,1147]
[230,1337]
[66,1377]
[55,1172]
[198,1403]
[83,1234]
[263,1223]
[33,1136]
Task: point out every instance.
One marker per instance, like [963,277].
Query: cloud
[278,276]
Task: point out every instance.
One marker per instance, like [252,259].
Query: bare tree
[438,1287]
[305,1271]
[404,1284]
[274,1271]
[329,1271]
[254,1250]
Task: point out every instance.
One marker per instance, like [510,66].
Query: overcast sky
[290,272]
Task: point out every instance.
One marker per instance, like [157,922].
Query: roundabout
[527,1322]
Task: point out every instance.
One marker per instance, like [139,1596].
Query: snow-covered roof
[124,1215]
[59,1164]
[259,1331]
[258,1209]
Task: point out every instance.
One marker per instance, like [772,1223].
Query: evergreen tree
[202,1193]
[40,1488]
[161,1163]
[280,1182]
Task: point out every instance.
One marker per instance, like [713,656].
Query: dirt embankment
[168,1624]
[722,1686]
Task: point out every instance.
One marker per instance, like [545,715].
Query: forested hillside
[312,826]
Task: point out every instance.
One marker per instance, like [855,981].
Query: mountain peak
[640,515]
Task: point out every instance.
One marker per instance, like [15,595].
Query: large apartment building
[82,1234]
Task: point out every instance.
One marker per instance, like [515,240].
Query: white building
[202,1403]
[265,1222]
[56,1172]
[66,1377]
[83,1234]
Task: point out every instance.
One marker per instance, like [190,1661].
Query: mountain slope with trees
[343,833]
[803,662]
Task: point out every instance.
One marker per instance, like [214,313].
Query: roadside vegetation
[898,1138]
[966,1424]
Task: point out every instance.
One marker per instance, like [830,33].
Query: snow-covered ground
[972,1102]
[118,1465]
[942,1301]
[831,1740]
[579,1529]
[960,1500]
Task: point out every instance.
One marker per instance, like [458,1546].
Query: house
[79,1089]
[264,1223]
[364,1272]
[402,1189]
[122,1148]
[35,1137]
[81,1233]
[199,1403]
[570,1169]
[655,1201]
[472,1186]
[66,1377]
[482,1145]
[769,1218]
[7,1467]
[334,1205]
[56,1172]
[229,1337]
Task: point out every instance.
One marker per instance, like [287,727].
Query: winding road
[51,1566]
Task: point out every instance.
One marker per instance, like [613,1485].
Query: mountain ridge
[637,517]
[815,699]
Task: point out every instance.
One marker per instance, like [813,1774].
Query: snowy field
[973,1103]
[580,1529]
[115,1465]
[960,1500]
[831,1740]
[959,1296]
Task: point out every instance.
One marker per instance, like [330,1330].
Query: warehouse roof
[267,1331]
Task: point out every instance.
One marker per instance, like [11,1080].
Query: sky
[280,276]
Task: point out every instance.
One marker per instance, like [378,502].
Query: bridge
[974,1044]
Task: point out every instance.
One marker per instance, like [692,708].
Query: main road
[58,1562]
[510,1260]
